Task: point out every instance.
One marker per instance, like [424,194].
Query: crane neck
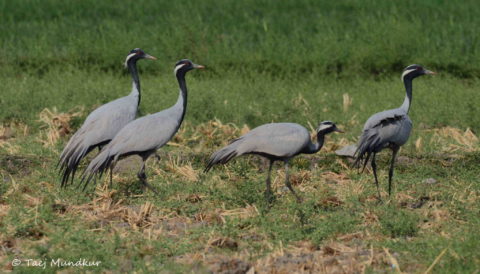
[183,94]
[132,67]
[408,96]
[315,147]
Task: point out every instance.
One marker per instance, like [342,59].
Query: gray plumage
[103,123]
[276,142]
[144,135]
[347,151]
[388,129]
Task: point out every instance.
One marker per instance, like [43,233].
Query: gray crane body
[388,129]
[144,135]
[103,123]
[276,142]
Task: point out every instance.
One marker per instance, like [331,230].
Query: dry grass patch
[106,210]
[435,216]
[11,130]
[186,171]
[221,215]
[333,257]
[342,185]
[249,211]
[56,125]
[455,140]
[216,263]
[211,134]
[8,135]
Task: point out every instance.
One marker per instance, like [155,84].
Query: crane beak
[148,56]
[338,130]
[429,72]
[195,66]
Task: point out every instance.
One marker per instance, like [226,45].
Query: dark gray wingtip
[221,156]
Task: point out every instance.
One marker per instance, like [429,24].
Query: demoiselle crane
[276,142]
[388,129]
[144,135]
[103,123]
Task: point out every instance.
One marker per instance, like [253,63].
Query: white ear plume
[177,68]
[406,72]
[128,58]
[324,126]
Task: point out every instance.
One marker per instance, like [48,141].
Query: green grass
[254,99]
[292,37]
[266,61]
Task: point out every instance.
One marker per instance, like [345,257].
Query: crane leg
[374,167]
[143,177]
[111,176]
[287,183]
[268,191]
[390,172]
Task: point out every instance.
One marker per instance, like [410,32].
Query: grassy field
[298,61]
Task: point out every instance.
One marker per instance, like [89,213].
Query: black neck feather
[132,67]
[183,89]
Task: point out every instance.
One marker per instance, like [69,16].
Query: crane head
[414,71]
[185,65]
[137,54]
[327,127]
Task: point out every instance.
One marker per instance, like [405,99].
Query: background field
[299,61]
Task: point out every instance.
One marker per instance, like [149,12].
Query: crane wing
[282,140]
[144,134]
[100,126]
[277,139]
[391,127]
